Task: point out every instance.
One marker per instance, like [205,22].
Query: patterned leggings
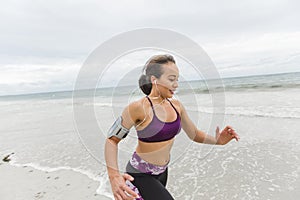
[151,187]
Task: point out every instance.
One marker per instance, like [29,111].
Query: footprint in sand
[39,195]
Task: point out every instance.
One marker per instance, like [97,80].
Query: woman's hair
[153,67]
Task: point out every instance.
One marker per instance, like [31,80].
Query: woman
[157,120]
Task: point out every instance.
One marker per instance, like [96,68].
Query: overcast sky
[44,43]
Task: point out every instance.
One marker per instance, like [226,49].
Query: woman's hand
[226,135]
[119,187]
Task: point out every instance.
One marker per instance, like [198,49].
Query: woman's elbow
[112,141]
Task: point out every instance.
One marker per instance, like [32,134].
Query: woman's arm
[201,137]
[117,180]
[111,155]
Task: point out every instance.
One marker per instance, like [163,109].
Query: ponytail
[145,84]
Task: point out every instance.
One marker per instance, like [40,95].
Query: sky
[45,43]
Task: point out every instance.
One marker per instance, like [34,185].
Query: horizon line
[107,87]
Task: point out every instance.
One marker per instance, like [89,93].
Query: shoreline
[29,183]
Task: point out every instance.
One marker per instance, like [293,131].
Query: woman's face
[168,81]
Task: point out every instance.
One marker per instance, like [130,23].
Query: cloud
[72,28]
[257,54]
[44,43]
[18,79]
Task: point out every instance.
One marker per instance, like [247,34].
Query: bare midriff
[157,153]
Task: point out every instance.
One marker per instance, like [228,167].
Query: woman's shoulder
[137,106]
[176,103]
[173,100]
[137,103]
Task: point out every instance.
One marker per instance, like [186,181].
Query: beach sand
[27,183]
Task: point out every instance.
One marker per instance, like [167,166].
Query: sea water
[42,131]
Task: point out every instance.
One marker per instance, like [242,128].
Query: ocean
[42,131]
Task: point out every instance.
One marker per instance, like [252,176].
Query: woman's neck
[157,99]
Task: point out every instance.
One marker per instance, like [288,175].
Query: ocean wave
[236,88]
[271,112]
[98,104]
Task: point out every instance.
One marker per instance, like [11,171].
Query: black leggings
[151,187]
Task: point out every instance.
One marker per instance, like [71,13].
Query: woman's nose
[175,85]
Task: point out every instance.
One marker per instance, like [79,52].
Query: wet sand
[27,183]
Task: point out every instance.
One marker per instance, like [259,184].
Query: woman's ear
[153,79]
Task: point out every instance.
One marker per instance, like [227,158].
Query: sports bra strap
[150,103]
[167,99]
[173,106]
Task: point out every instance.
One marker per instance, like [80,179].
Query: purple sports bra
[157,130]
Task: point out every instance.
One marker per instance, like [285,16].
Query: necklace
[159,102]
